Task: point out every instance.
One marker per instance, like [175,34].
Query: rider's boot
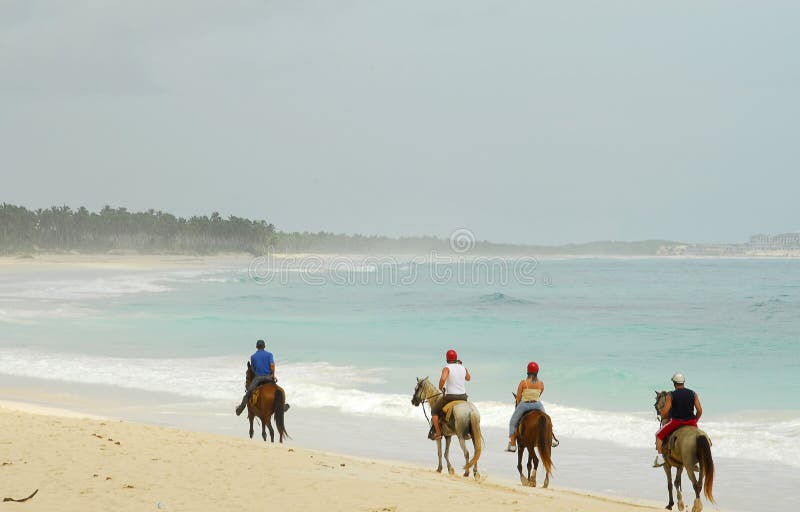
[512,444]
[659,458]
[436,428]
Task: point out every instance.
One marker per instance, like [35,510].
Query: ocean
[351,335]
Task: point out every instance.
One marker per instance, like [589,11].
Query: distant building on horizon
[780,245]
[775,242]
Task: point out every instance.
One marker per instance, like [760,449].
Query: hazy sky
[523,121]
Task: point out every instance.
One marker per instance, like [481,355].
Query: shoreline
[594,471]
[140,262]
[92,469]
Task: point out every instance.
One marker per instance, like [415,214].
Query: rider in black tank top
[682,404]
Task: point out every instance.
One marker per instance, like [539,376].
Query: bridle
[421,401]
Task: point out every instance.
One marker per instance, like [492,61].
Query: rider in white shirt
[452,384]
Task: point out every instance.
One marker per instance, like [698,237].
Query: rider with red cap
[452,384]
[529,391]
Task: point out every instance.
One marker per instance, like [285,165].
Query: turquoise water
[606,332]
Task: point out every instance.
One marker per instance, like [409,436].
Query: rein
[422,403]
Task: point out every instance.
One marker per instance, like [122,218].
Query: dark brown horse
[267,399]
[690,448]
[535,430]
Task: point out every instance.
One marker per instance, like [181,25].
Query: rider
[529,391]
[263,364]
[682,407]
[452,384]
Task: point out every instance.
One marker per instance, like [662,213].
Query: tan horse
[689,447]
[267,399]
[535,430]
[466,424]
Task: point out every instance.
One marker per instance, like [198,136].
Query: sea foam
[771,436]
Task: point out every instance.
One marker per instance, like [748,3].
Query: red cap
[533,367]
[451,356]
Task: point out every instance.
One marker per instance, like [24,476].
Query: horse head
[419,392]
[661,399]
[249,374]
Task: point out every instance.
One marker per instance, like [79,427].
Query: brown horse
[267,399]
[535,430]
[690,448]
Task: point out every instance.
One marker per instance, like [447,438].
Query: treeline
[323,242]
[61,229]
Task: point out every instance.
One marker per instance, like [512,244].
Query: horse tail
[545,429]
[477,437]
[706,466]
[278,407]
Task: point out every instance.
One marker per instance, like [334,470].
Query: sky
[522,121]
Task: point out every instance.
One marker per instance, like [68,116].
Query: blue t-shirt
[261,362]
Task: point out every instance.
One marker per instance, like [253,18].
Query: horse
[267,399]
[691,448]
[535,430]
[467,422]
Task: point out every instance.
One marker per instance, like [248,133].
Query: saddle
[448,410]
[448,423]
[680,433]
[555,442]
[257,391]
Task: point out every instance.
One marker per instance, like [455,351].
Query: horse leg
[439,453]
[447,441]
[678,489]
[271,431]
[264,429]
[668,471]
[466,453]
[250,418]
[520,449]
[532,478]
[697,484]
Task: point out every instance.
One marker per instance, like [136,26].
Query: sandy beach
[90,463]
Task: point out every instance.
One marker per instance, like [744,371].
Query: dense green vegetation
[62,229]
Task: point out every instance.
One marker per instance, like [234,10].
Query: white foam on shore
[774,437]
[81,289]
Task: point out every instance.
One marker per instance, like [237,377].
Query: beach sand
[91,463]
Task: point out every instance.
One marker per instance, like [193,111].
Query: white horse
[466,423]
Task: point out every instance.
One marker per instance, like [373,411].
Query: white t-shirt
[456,379]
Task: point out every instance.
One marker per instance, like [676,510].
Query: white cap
[678,378]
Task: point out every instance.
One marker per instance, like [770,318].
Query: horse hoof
[524,482]
[451,471]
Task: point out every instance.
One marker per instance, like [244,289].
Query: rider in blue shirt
[263,364]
